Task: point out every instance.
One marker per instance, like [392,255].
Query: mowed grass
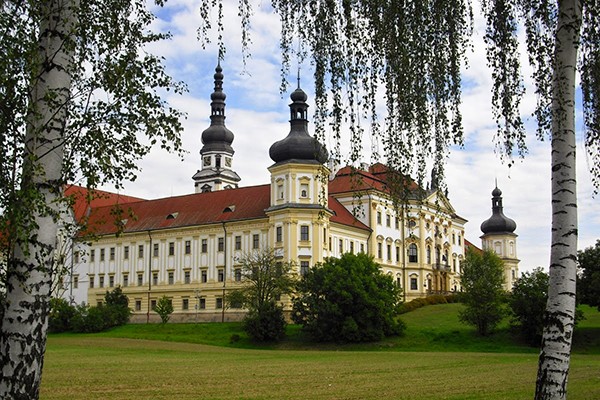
[179,366]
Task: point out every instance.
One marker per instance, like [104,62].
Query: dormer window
[304,190]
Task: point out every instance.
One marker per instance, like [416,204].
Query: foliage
[264,281]
[61,314]
[588,283]
[528,303]
[482,278]
[266,323]
[119,303]
[348,300]
[164,308]
[426,301]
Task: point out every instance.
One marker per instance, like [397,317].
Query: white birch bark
[25,322]
[555,353]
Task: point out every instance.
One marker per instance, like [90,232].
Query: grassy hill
[431,328]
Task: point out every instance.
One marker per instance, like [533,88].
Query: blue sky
[258,116]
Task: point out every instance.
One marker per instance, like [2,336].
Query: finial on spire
[298,77]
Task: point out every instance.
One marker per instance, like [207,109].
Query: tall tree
[80,99]
[413,52]
[588,288]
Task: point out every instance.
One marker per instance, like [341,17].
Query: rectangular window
[171,248]
[152,304]
[204,276]
[219,303]
[351,247]
[221,244]
[304,267]
[378,217]
[397,253]
[91,282]
[413,284]
[255,241]
[362,247]
[238,242]
[171,277]
[155,278]
[92,255]
[278,234]
[202,304]
[76,257]
[397,223]
[204,245]
[453,238]
[155,250]
[330,241]
[140,279]
[341,246]
[141,251]
[188,247]
[138,305]
[379,250]
[304,233]
[126,252]
[221,275]
[102,252]
[389,252]
[185,304]
[75,282]
[388,220]
[125,280]
[186,277]
[238,274]
[101,280]
[112,254]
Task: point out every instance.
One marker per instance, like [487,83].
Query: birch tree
[411,52]
[81,101]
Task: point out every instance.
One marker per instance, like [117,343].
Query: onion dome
[217,137]
[498,222]
[299,144]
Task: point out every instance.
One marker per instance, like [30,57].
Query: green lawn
[438,358]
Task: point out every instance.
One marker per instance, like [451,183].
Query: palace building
[188,247]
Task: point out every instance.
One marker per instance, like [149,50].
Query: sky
[258,116]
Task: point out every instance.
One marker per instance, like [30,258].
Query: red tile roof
[349,179]
[197,209]
[84,199]
[469,245]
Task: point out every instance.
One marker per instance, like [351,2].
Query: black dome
[217,137]
[299,144]
[498,222]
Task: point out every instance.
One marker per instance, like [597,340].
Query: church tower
[216,153]
[298,212]
[498,235]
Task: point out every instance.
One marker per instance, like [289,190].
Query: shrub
[348,300]
[528,304]
[429,300]
[164,308]
[265,323]
[61,314]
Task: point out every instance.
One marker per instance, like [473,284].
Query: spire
[498,222]
[217,137]
[299,144]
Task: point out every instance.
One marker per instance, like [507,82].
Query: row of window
[412,224]
[185,304]
[413,254]
[171,248]
[237,276]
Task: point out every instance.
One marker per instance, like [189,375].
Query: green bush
[164,308]
[266,323]
[61,314]
[347,300]
[429,300]
[528,304]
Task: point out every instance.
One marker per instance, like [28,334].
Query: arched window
[412,253]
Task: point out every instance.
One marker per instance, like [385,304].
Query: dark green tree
[348,300]
[589,275]
[527,304]
[81,101]
[264,281]
[118,305]
[164,308]
[482,279]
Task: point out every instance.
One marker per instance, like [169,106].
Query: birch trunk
[25,322]
[555,353]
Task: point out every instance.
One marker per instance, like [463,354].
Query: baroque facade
[188,247]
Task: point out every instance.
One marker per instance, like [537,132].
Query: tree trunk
[555,353]
[25,322]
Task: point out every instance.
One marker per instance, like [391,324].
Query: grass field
[438,358]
